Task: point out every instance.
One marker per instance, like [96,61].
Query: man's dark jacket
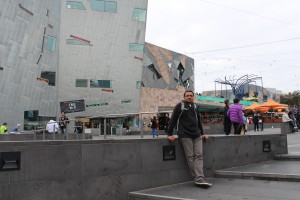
[189,122]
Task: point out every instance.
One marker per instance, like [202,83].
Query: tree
[291,98]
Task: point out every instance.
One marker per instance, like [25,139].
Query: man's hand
[171,138]
[204,137]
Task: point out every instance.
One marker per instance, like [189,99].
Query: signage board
[266,146]
[169,153]
[72,106]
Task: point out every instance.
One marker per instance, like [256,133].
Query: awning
[209,108]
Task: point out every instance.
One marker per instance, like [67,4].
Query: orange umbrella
[270,104]
[252,107]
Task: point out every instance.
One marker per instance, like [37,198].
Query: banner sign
[72,106]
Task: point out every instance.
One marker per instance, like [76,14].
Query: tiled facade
[53,53]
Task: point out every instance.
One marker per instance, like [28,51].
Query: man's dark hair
[4,123]
[236,100]
[226,101]
[188,91]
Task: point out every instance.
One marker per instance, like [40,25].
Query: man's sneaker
[203,183]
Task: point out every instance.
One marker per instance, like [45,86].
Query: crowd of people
[234,116]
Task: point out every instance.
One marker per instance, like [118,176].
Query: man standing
[235,113]
[255,121]
[190,133]
[227,121]
[63,121]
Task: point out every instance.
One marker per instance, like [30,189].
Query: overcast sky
[231,38]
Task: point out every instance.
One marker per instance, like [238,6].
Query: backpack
[183,109]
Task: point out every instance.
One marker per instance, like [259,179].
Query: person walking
[127,126]
[227,122]
[154,126]
[63,122]
[255,121]
[235,113]
[261,123]
[186,118]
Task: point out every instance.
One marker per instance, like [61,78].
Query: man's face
[63,114]
[189,97]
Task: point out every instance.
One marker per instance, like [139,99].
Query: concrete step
[223,188]
[289,156]
[286,170]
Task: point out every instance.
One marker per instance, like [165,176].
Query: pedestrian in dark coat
[227,121]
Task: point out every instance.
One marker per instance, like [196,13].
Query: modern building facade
[29,60]
[166,75]
[70,51]
[101,43]
[86,58]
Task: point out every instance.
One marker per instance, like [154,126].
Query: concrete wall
[230,151]
[109,169]
[45,136]
[217,128]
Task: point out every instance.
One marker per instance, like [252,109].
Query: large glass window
[110,6]
[100,83]
[136,47]
[50,76]
[81,82]
[139,14]
[75,5]
[103,6]
[51,43]
[31,119]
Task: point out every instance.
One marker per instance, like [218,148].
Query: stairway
[277,179]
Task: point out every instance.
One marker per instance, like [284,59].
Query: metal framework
[238,85]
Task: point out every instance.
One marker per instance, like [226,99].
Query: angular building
[29,60]
[86,58]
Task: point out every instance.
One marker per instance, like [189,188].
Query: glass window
[97,5]
[75,5]
[50,76]
[103,6]
[76,42]
[136,47]
[81,82]
[139,14]
[100,83]
[51,43]
[111,6]
[31,119]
